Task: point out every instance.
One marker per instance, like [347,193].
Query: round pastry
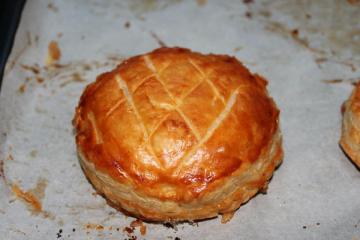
[350,137]
[176,135]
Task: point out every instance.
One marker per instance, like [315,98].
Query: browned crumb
[34,69]
[39,79]
[248,14]
[58,65]
[94,226]
[321,60]
[226,217]
[22,88]
[237,49]
[295,32]
[2,173]
[143,230]
[265,13]
[54,53]
[87,67]
[248,1]
[201,2]
[353,1]
[77,77]
[136,223]
[52,7]
[128,230]
[333,81]
[99,227]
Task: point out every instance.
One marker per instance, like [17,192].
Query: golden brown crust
[350,137]
[177,135]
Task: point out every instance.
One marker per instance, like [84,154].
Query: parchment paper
[308,50]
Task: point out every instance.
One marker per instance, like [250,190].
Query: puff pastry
[176,135]
[350,137]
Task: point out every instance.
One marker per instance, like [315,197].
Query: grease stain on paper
[2,173]
[336,24]
[139,7]
[65,74]
[33,198]
[201,3]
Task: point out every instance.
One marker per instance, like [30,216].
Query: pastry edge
[350,130]
[125,198]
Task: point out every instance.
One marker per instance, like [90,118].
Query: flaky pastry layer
[350,137]
[231,193]
[177,135]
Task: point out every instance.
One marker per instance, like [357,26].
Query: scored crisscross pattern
[178,101]
[166,112]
